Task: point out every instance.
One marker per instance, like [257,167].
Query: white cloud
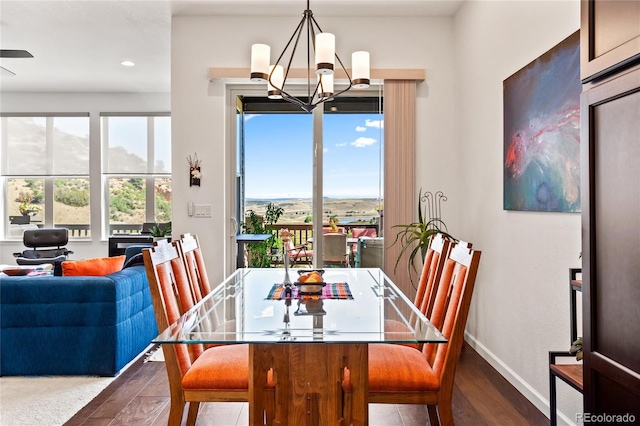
[361,129]
[248,117]
[378,124]
[341,144]
[325,150]
[362,142]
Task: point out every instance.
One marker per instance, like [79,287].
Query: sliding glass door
[274,171]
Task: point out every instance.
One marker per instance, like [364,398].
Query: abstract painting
[542,132]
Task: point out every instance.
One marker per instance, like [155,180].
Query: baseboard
[539,401]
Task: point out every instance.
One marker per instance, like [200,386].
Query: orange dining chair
[400,374]
[196,375]
[430,276]
[194,262]
[189,249]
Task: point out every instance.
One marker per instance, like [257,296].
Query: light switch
[202,210]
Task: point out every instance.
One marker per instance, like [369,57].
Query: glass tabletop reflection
[357,305]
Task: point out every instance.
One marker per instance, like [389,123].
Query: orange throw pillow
[97,267]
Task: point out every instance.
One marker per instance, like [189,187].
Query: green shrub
[71,196]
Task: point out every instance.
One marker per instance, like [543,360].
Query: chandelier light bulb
[325,82]
[360,69]
[275,82]
[260,55]
[325,53]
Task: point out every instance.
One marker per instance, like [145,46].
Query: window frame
[48,177]
[149,177]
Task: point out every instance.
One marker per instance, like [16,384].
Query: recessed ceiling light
[127,63]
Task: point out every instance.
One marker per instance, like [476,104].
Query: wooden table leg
[308,384]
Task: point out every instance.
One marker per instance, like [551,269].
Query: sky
[279,160]
[130,133]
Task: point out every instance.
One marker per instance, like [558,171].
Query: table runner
[329,291]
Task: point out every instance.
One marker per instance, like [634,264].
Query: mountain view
[299,210]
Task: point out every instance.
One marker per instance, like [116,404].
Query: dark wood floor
[481,396]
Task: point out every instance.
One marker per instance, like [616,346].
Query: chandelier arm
[292,99]
[286,95]
[311,39]
[316,23]
[297,32]
[345,71]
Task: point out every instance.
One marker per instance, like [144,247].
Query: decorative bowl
[14,272]
[310,287]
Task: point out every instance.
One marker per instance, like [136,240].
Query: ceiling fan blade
[15,54]
[6,73]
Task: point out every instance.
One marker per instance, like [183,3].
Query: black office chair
[46,245]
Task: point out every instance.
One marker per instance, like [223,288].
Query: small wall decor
[194,170]
[542,132]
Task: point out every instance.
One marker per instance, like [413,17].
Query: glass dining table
[311,343]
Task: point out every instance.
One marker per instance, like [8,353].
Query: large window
[137,169]
[45,172]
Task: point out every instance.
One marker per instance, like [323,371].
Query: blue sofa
[74,325]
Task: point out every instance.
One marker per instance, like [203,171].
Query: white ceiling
[78,45]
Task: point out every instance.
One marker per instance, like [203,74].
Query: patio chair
[299,254]
[364,233]
[46,245]
[217,374]
[335,250]
[403,375]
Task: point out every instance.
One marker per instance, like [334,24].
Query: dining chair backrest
[334,248]
[451,308]
[171,296]
[432,269]
[194,262]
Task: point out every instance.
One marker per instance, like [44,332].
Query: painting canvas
[542,132]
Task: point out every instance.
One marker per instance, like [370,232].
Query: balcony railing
[301,232]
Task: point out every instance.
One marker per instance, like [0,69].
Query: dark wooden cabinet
[609,37]
[610,162]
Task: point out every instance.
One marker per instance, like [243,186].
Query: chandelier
[320,87]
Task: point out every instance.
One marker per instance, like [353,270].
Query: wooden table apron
[308,383]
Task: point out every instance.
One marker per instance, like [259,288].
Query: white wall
[520,306]
[94,104]
[198,106]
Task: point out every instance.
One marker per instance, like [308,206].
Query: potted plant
[415,237]
[28,209]
[259,254]
[159,231]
